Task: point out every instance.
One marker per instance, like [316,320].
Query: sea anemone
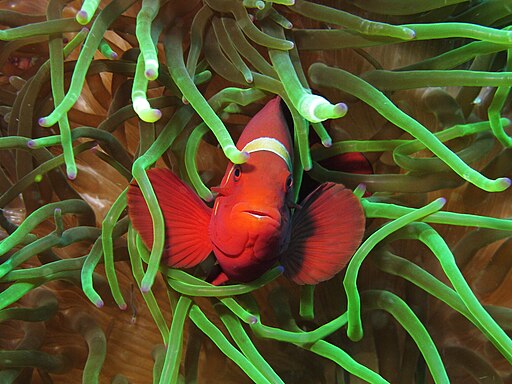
[96,93]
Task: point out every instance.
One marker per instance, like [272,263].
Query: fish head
[251,215]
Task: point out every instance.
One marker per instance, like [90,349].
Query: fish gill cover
[94,94]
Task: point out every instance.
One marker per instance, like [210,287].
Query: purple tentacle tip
[71,175]
[42,122]
[327,142]
[99,304]
[253,320]
[123,307]
[502,183]
[82,16]
[341,108]
[151,74]
[31,144]
[114,55]
[209,198]
[145,288]
[442,200]
[280,268]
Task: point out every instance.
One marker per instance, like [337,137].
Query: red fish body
[251,227]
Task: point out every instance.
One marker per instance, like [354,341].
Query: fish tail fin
[326,232]
[186,219]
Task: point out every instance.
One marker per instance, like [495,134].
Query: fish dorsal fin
[326,231]
[186,219]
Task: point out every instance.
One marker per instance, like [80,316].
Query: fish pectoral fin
[186,219]
[326,232]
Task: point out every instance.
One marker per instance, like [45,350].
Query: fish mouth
[258,213]
[264,215]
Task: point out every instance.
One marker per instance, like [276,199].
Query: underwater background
[426,298]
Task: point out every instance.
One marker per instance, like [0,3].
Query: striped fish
[254,224]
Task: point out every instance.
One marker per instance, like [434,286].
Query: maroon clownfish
[251,226]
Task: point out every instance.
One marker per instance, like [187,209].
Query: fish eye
[289,182]
[237,173]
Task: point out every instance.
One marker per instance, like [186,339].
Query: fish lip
[263,215]
[259,212]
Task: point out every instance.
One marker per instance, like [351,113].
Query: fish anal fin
[326,231]
[186,219]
